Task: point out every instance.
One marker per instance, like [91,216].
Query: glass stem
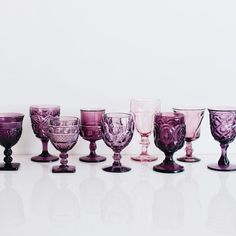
[116,157]
[45,148]
[63,160]
[8,159]
[168,159]
[92,147]
[189,149]
[223,161]
[145,143]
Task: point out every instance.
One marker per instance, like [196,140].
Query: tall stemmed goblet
[223,129]
[90,130]
[40,116]
[63,133]
[193,119]
[117,132]
[143,113]
[169,134]
[10,133]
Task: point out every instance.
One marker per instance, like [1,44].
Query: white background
[79,53]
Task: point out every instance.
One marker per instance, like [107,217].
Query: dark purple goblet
[169,135]
[63,133]
[40,116]
[223,129]
[90,130]
[10,133]
[117,132]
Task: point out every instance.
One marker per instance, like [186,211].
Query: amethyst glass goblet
[117,132]
[90,130]
[40,116]
[169,134]
[193,119]
[10,133]
[63,133]
[223,129]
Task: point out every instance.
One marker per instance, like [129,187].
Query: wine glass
[143,113]
[63,133]
[40,116]
[117,132]
[193,119]
[223,129]
[169,134]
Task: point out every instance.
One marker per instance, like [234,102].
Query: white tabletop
[199,201]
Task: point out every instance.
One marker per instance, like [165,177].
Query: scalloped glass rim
[222,108]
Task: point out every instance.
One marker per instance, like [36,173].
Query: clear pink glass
[193,119]
[143,112]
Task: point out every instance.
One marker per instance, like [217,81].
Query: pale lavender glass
[193,119]
[63,133]
[10,133]
[169,134]
[117,132]
[40,116]
[90,130]
[143,113]
[223,129]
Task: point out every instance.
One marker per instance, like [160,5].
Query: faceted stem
[63,160]
[8,159]
[116,163]
[45,152]
[92,147]
[145,143]
[189,149]
[223,161]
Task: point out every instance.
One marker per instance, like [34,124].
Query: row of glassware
[170,130]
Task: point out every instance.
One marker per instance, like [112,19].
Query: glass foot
[188,159]
[49,158]
[62,169]
[171,168]
[119,169]
[230,167]
[144,158]
[92,158]
[13,166]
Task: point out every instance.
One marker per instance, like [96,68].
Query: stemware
[223,130]
[143,113]
[90,130]
[10,133]
[117,132]
[169,134]
[40,116]
[63,133]
[193,119]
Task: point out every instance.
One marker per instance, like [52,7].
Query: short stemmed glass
[117,132]
[169,134]
[193,119]
[143,113]
[90,130]
[40,116]
[63,133]
[223,129]
[10,133]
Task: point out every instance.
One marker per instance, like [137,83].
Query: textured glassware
[223,129]
[90,130]
[143,113]
[10,133]
[40,116]
[117,132]
[169,134]
[193,119]
[63,133]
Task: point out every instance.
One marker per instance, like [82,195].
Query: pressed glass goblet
[169,134]
[193,119]
[10,133]
[63,133]
[223,129]
[40,116]
[90,130]
[117,132]
[143,113]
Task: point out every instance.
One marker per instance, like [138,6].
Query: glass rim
[118,114]
[169,114]
[92,109]
[66,118]
[189,108]
[145,100]
[44,106]
[11,115]
[222,108]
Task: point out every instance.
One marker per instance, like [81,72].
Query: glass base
[144,158]
[66,169]
[13,166]
[113,169]
[230,167]
[170,168]
[96,158]
[188,159]
[41,158]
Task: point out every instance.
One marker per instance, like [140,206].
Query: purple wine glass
[63,133]
[10,133]
[193,119]
[223,129]
[169,134]
[40,116]
[90,130]
[117,132]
